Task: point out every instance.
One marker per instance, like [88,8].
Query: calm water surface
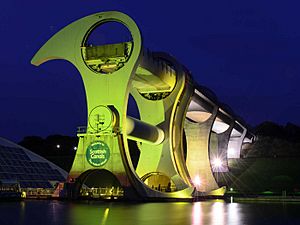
[98,213]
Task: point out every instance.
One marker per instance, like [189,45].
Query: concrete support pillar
[198,148]
[221,157]
[235,145]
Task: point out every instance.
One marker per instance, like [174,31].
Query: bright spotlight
[217,163]
[57,146]
[197,181]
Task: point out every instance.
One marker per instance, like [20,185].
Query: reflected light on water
[105,216]
[234,216]
[23,211]
[55,209]
[197,214]
[218,213]
[167,213]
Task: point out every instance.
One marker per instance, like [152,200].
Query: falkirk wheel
[184,136]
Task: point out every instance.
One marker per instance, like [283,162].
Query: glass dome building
[28,170]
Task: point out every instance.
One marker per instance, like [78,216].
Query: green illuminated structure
[179,121]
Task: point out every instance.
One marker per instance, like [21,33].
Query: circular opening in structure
[199,110]
[107,47]
[154,180]
[184,145]
[158,81]
[159,182]
[197,116]
[133,111]
[132,108]
[101,118]
[100,184]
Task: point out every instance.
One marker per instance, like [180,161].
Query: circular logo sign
[97,154]
[100,118]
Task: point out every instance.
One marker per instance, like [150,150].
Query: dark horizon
[246,53]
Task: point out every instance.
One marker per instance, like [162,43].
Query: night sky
[247,53]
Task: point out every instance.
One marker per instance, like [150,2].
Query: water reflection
[54,211]
[234,216]
[197,214]
[22,212]
[177,213]
[218,213]
[105,216]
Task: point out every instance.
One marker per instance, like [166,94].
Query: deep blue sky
[248,53]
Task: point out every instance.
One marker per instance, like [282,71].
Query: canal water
[44,212]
